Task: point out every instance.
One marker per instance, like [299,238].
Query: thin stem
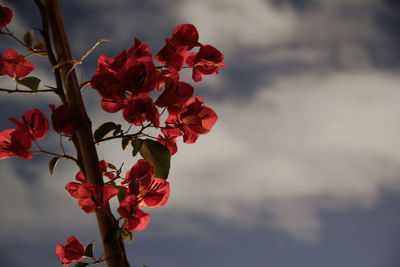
[50,55]
[16,39]
[127,135]
[10,91]
[61,144]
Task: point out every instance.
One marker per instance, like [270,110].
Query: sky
[301,169]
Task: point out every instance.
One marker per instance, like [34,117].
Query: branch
[26,91]
[50,55]
[114,250]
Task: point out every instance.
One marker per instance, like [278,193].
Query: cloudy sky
[302,168]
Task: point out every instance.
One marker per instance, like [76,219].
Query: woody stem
[114,251]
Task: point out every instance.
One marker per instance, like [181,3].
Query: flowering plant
[138,85]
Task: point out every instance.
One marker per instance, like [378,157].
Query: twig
[74,63]
[26,91]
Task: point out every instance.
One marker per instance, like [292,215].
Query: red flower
[184,38]
[5,16]
[73,187]
[169,139]
[139,175]
[65,119]
[150,191]
[72,251]
[103,167]
[92,197]
[13,63]
[14,143]
[129,210]
[205,62]
[175,96]
[195,120]
[155,194]
[139,109]
[129,74]
[34,122]
[169,56]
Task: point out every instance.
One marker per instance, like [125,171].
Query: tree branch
[10,91]
[113,249]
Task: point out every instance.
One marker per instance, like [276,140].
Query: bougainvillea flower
[104,167]
[91,197]
[5,16]
[139,76]
[33,122]
[139,176]
[72,187]
[13,63]
[195,120]
[169,56]
[128,74]
[15,143]
[175,96]
[185,36]
[72,251]
[207,61]
[169,138]
[173,54]
[65,119]
[139,51]
[155,194]
[139,109]
[129,210]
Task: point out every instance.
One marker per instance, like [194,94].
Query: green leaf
[28,38]
[136,144]
[125,234]
[40,49]
[111,166]
[89,250]
[53,164]
[104,130]
[118,130]
[30,82]
[125,142]
[121,193]
[157,155]
[131,236]
[81,264]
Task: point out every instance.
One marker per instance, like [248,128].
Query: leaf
[125,234]
[89,250]
[28,38]
[125,142]
[131,236]
[121,193]
[157,155]
[136,144]
[118,130]
[30,82]
[53,164]
[40,49]
[104,130]
[81,264]
[111,166]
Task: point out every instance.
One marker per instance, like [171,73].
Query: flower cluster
[125,83]
[92,197]
[17,142]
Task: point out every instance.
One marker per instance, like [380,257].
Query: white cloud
[299,146]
